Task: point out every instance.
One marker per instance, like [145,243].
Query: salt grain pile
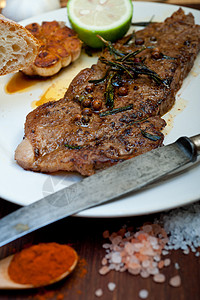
[136,252]
[141,252]
[183,228]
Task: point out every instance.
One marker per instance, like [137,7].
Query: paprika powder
[41,264]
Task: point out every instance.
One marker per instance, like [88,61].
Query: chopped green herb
[101,79]
[72,147]
[128,38]
[123,62]
[116,110]
[150,136]
[132,54]
[117,65]
[130,67]
[109,94]
[143,24]
[137,121]
[111,47]
[167,57]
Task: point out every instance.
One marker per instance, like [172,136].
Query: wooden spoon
[7,283]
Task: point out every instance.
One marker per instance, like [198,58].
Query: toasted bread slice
[18,47]
[59,47]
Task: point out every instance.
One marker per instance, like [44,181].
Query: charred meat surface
[112,111]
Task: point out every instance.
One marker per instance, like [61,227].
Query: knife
[128,176]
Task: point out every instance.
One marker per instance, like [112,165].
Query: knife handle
[190,145]
[196,142]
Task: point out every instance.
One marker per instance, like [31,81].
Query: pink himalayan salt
[143,294]
[167,262]
[135,271]
[161,264]
[104,270]
[106,234]
[116,258]
[99,293]
[159,278]
[144,274]
[175,281]
[111,286]
[138,253]
[104,261]
[116,240]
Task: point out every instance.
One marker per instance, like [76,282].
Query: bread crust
[18,47]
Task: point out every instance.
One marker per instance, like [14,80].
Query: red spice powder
[80,272]
[60,297]
[40,264]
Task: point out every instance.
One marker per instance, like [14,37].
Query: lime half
[110,19]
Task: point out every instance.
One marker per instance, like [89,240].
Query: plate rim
[87,213]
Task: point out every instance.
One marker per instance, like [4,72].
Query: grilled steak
[112,111]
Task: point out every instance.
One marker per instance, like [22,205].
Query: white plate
[25,187]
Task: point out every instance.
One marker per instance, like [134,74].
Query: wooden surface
[85,235]
[190,3]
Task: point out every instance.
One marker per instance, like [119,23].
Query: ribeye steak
[112,111]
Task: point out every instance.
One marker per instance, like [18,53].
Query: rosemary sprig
[150,136]
[111,47]
[128,38]
[123,63]
[131,54]
[117,65]
[130,67]
[168,57]
[109,93]
[72,147]
[137,121]
[126,59]
[100,79]
[143,24]
[141,68]
[116,110]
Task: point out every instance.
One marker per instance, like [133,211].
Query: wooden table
[85,235]
[189,3]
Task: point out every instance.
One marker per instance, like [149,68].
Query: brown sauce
[20,82]
[54,87]
[43,99]
[54,92]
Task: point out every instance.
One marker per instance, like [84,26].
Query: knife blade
[128,176]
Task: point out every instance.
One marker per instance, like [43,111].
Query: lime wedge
[110,19]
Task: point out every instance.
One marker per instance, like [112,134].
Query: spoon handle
[5,281]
